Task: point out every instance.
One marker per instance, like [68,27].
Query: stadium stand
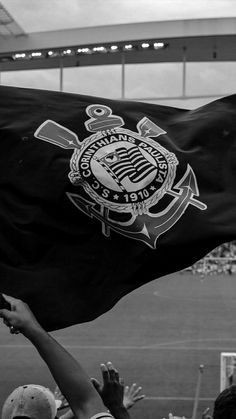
[220,260]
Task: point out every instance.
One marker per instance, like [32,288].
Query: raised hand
[111,391]
[205,414]
[132,395]
[19,318]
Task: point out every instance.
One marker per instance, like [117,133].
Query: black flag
[99,197]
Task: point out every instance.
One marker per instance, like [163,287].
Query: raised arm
[67,372]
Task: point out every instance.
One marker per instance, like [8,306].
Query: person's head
[30,402]
[225,404]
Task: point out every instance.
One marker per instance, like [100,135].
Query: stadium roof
[8,26]
[196,31]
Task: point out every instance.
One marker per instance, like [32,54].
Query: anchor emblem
[124,174]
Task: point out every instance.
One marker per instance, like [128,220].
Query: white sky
[45,15]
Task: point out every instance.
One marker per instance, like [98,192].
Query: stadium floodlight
[88,50]
[114,48]
[84,51]
[99,49]
[19,56]
[128,47]
[158,45]
[36,54]
[67,52]
[52,54]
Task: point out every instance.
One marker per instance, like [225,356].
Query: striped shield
[127,162]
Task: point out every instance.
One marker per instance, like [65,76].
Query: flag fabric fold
[99,196]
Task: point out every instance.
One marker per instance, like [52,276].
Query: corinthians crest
[124,174]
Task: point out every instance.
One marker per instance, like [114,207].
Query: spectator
[31,401]
[131,394]
[67,372]
[225,404]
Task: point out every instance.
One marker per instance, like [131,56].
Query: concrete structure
[203,40]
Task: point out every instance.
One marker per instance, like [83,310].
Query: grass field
[157,337]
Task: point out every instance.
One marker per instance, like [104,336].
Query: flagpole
[197,393]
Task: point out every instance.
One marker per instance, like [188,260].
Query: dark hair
[225,404]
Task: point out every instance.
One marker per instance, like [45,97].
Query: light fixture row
[88,50]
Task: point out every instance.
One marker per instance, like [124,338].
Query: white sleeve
[102,415]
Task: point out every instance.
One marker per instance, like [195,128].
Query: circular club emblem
[122,170]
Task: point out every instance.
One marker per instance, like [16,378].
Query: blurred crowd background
[220,260]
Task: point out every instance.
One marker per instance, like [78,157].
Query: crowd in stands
[220,260]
